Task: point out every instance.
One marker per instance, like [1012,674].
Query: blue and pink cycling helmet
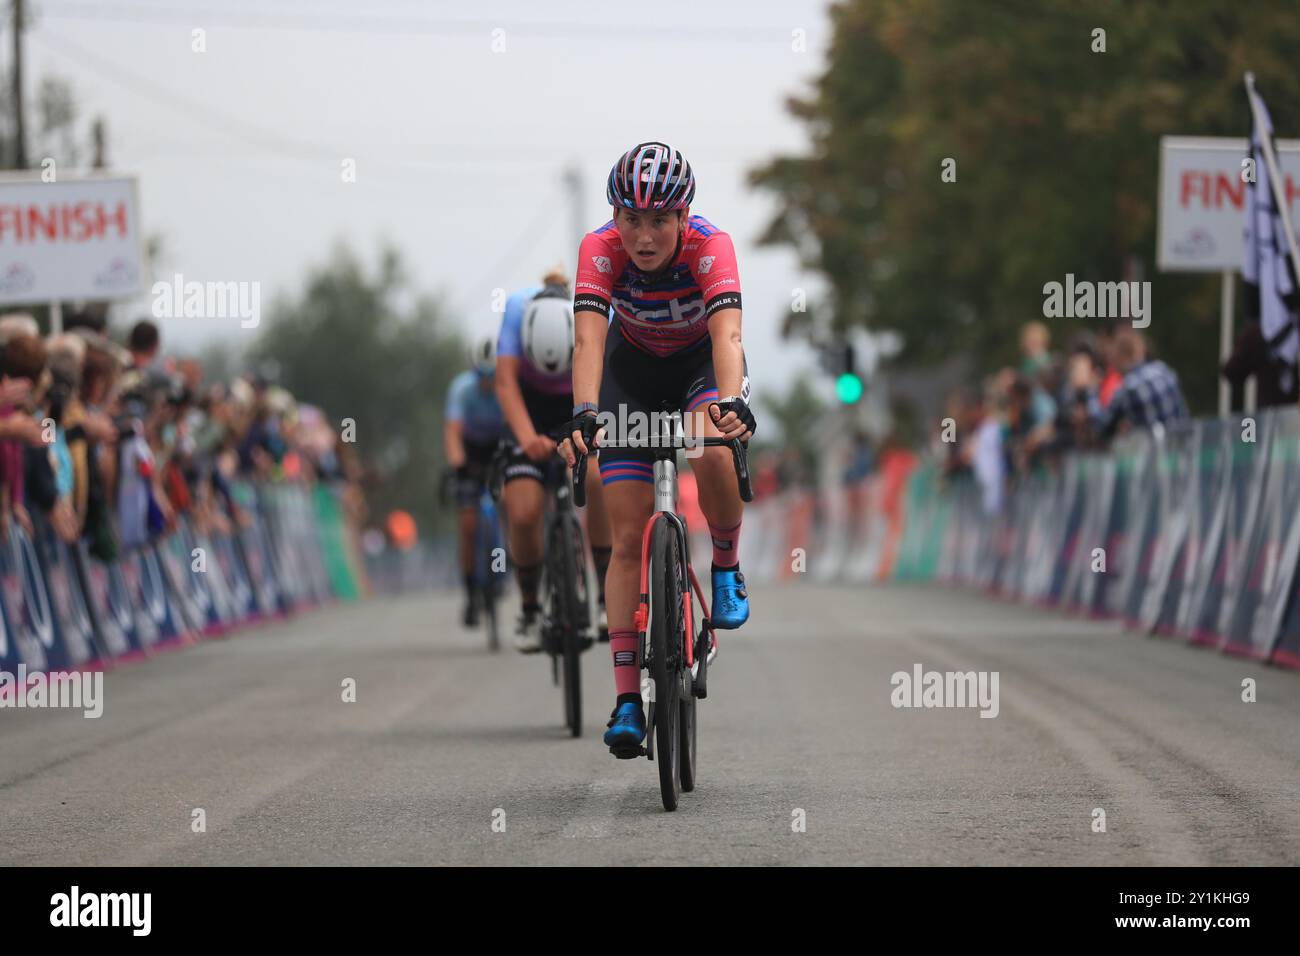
[651,176]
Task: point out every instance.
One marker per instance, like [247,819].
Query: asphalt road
[444,739]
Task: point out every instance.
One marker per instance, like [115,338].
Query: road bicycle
[565,628]
[674,656]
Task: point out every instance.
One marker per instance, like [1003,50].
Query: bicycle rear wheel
[569,591]
[667,629]
[488,580]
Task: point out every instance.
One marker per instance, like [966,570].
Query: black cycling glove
[742,410]
[586,423]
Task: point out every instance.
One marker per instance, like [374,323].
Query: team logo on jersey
[602,263]
[706,263]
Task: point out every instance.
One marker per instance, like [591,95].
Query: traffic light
[848,388]
[838,359]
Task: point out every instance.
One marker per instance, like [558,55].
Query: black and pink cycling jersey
[668,311]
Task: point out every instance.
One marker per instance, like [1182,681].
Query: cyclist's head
[483,354]
[650,189]
[556,276]
[548,331]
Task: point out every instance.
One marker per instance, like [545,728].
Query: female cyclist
[672,283]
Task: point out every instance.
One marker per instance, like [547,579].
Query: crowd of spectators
[113,442]
[1024,418]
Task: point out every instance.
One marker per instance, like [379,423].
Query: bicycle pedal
[626,752]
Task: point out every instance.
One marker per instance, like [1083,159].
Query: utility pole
[573,180]
[99,136]
[20,128]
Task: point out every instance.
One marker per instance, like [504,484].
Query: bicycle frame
[642,613]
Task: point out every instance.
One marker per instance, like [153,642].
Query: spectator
[20,370]
[1034,342]
[1111,375]
[144,343]
[986,454]
[1276,381]
[1082,376]
[1149,393]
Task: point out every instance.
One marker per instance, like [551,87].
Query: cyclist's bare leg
[525,500]
[467,528]
[597,516]
[598,534]
[715,475]
[629,504]
[467,525]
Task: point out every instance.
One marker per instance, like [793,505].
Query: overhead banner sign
[1202,200]
[74,239]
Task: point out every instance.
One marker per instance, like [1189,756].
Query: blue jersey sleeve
[456,396]
[510,341]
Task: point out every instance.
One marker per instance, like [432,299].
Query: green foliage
[360,346]
[1056,150]
[796,415]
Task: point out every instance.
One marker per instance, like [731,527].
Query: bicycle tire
[687,723]
[487,578]
[667,662]
[570,538]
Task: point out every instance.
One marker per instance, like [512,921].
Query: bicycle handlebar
[739,459]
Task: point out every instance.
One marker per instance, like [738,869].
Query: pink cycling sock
[627,669]
[726,545]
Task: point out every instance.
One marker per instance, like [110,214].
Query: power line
[726,34]
[269,140]
[545,217]
[238,127]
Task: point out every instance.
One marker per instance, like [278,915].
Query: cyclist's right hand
[581,429]
[539,447]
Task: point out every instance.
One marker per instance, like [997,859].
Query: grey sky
[459,149]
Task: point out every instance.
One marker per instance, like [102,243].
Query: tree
[1056,151]
[360,346]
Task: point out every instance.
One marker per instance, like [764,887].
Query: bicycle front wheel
[666,638]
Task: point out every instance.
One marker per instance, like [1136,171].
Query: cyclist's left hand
[733,418]
[540,447]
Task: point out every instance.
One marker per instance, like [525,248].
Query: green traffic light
[848,388]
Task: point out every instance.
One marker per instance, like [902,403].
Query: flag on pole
[1272,292]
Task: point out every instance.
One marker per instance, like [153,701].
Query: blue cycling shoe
[730,599]
[626,731]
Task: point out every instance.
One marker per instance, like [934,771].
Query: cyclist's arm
[453,443]
[511,400]
[728,355]
[590,329]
